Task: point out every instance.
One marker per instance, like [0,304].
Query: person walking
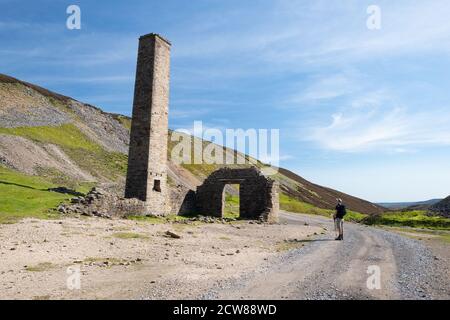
[339,219]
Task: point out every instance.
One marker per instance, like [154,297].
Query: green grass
[41,267]
[85,187]
[293,205]
[23,196]
[150,219]
[231,209]
[445,238]
[129,235]
[66,136]
[414,219]
[125,121]
[100,163]
[110,261]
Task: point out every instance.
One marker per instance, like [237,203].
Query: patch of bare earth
[124,259]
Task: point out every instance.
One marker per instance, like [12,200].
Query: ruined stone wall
[258,194]
[147,162]
[182,201]
[101,203]
[271,213]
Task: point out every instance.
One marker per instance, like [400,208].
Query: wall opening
[157,185]
[258,194]
[231,207]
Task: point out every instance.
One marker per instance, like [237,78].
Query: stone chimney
[147,158]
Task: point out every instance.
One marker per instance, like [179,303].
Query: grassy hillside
[28,196]
[322,197]
[410,206]
[53,128]
[414,219]
[293,205]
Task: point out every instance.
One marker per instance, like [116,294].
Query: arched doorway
[258,194]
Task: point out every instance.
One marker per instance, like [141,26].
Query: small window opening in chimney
[157,185]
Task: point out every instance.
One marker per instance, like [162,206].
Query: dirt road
[328,269]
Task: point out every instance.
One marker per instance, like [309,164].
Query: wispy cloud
[178,113]
[393,129]
[13,25]
[83,51]
[324,87]
[407,30]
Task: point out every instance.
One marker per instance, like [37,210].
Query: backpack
[341,211]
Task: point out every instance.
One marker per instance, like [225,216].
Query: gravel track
[328,269]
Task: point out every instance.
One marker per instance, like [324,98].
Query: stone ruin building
[258,194]
[146,189]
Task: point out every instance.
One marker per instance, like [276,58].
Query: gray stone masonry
[258,194]
[147,162]
[101,203]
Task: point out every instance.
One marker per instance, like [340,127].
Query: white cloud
[329,87]
[394,129]
[370,99]
[340,35]
[178,113]
[80,51]
[13,25]
[325,87]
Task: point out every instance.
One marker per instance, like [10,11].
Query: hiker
[339,219]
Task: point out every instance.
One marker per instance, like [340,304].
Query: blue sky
[363,111]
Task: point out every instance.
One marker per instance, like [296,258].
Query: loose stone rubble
[103,204]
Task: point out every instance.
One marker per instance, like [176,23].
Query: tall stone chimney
[147,158]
